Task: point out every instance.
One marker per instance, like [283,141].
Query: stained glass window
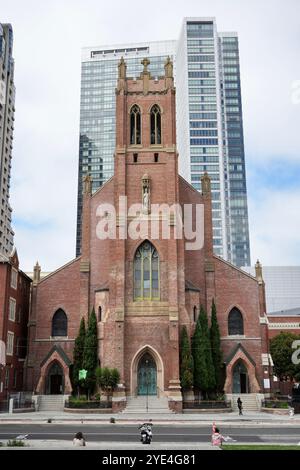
[135,125]
[146,272]
[155,123]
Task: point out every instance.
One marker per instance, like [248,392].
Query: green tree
[211,381]
[115,377]
[281,352]
[90,353]
[198,352]
[78,353]
[216,352]
[107,379]
[186,361]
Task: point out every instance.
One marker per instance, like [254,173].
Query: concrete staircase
[138,405]
[250,402]
[51,402]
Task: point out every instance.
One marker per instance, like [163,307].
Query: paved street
[179,433]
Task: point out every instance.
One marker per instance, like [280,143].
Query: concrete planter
[276,411]
[188,395]
[88,410]
[23,410]
[205,410]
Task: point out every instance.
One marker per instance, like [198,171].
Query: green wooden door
[147,376]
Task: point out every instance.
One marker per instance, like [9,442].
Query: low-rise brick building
[284,320]
[14,312]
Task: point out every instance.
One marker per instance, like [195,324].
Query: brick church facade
[144,289]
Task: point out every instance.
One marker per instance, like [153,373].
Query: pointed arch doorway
[146,376]
[240,378]
[55,380]
[155,368]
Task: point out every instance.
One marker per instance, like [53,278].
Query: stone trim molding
[54,355]
[235,350]
[63,356]
[283,326]
[241,354]
[239,338]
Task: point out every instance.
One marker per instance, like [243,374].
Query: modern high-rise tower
[99,74]
[209,121]
[7,109]
[210,129]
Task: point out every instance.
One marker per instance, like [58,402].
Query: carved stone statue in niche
[205,184]
[146,194]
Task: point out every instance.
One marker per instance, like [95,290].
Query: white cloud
[275,227]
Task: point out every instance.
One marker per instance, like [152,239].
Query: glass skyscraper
[210,129]
[209,121]
[7,110]
[99,72]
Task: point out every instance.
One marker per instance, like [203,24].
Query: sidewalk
[256,418]
[67,445]
[107,446]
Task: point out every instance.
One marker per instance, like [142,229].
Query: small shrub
[276,404]
[112,420]
[220,397]
[49,420]
[15,443]
[91,404]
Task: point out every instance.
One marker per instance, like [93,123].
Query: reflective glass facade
[210,129]
[209,121]
[99,72]
[7,111]
[237,231]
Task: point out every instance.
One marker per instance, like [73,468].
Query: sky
[48,37]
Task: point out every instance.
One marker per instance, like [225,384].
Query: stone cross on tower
[145,75]
[145,62]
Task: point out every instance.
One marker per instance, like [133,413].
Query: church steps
[139,405]
[51,402]
[250,402]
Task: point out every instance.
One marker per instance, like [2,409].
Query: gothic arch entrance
[55,380]
[240,378]
[154,375]
[147,376]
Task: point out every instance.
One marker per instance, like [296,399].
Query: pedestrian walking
[79,440]
[240,406]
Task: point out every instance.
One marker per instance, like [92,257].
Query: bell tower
[146,173]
